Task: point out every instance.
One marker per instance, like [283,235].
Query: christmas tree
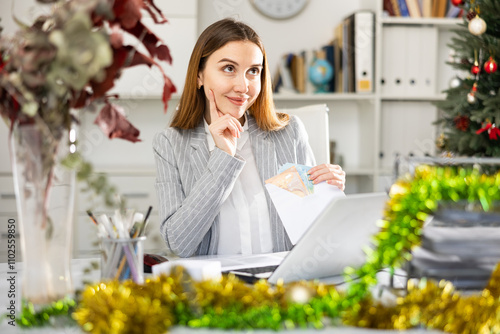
[471,111]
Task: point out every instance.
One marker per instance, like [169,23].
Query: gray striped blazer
[191,183]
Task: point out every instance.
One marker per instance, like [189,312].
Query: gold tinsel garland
[126,307]
[436,306]
[114,307]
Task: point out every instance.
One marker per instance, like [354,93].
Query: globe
[320,74]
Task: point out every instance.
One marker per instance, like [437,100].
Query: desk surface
[78,277]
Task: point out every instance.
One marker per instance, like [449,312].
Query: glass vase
[45,199]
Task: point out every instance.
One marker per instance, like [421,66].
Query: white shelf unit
[371,129]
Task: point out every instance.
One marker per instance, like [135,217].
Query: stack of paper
[466,256]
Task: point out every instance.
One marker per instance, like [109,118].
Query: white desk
[77,268]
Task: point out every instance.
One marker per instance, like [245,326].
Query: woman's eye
[228,68]
[254,71]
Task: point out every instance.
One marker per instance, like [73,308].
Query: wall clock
[279,9]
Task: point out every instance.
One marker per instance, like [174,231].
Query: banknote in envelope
[291,180]
[302,169]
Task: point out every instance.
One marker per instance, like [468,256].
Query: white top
[245,226]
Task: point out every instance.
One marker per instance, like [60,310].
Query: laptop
[334,241]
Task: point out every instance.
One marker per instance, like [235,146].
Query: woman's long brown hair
[192,103]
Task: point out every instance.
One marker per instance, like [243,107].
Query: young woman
[225,140]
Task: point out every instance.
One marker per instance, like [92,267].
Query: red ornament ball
[457,2]
[490,66]
[475,69]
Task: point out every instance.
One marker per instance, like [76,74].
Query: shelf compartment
[423,98]
[324,97]
[434,21]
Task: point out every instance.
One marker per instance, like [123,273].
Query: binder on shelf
[411,71]
[413,8]
[364,51]
[421,54]
[403,8]
[392,62]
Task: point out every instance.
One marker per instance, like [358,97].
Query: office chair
[315,119]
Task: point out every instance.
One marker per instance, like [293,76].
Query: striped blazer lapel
[199,150]
[263,149]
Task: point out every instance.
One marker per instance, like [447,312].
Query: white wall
[311,29]
[26,11]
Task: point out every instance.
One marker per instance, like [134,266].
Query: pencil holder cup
[123,259]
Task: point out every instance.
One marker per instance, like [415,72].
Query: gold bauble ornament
[454,82]
[471,98]
[477,26]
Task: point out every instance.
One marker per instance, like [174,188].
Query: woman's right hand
[225,129]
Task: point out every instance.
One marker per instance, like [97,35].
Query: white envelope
[298,213]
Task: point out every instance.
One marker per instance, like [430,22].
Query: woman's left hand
[332,174]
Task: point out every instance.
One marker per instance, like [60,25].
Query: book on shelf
[283,81]
[337,43]
[403,8]
[308,61]
[413,8]
[422,8]
[301,77]
[347,55]
[427,8]
[395,7]
[439,8]
[329,54]
[388,8]
[277,80]
[297,70]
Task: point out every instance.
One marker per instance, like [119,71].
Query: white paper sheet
[298,213]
